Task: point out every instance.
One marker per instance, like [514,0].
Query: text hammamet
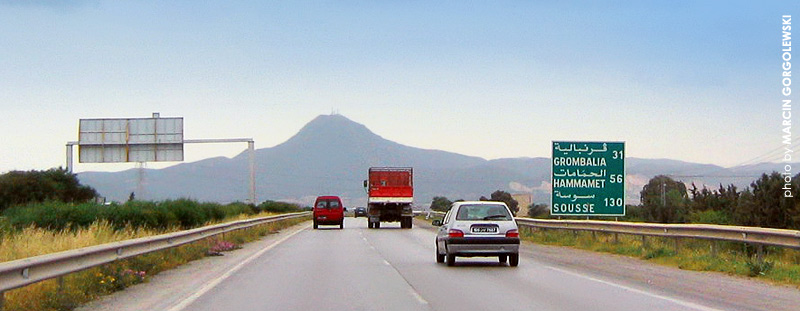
[580,183]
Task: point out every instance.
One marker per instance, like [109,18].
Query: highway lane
[394,269]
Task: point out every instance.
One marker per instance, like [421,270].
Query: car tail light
[455,233]
[513,233]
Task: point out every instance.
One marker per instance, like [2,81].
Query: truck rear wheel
[369,224]
[405,223]
[377,225]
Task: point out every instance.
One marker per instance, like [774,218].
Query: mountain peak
[334,128]
[333,121]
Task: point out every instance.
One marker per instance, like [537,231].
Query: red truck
[390,192]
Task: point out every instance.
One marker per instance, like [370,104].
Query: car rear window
[328,203]
[483,212]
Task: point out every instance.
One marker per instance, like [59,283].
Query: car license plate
[484,229]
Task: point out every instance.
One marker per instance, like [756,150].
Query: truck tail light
[455,233]
[513,233]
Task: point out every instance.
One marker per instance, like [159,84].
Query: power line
[795,144]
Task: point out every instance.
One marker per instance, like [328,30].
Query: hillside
[331,154]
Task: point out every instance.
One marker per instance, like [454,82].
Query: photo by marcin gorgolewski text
[786,103]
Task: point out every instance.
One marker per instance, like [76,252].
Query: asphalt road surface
[395,269]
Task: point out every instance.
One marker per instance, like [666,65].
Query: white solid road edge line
[638,291]
[210,285]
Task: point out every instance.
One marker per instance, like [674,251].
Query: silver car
[477,229]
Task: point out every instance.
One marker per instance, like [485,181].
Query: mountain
[331,155]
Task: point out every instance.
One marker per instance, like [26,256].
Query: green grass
[779,265]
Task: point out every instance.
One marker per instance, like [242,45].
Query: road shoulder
[713,289]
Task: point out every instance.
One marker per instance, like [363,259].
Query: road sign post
[588,179]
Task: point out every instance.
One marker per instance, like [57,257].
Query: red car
[328,210]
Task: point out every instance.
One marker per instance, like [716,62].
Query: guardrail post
[760,254]
[644,242]
[616,238]
[60,289]
[2,300]
[677,245]
[714,249]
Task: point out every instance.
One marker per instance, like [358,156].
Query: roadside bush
[756,268]
[139,214]
[278,207]
[190,214]
[659,252]
[181,213]
[53,215]
[235,209]
[710,217]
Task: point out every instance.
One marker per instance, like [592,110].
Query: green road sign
[588,178]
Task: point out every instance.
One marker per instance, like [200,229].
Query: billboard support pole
[252,156]
[69,155]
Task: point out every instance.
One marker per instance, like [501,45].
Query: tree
[766,206]
[538,210]
[505,197]
[745,212]
[18,187]
[665,200]
[441,204]
[714,207]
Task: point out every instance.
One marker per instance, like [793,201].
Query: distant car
[328,210]
[477,229]
[360,211]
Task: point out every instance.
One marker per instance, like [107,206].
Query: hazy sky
[696,81]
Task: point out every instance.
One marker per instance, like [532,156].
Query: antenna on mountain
[334,112]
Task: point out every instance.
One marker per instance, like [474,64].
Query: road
[394,269]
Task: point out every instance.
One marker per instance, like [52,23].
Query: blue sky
[689,80]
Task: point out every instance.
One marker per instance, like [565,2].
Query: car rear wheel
[439,257]
[341,225]
[451,260]
[514,260]
[316,225]
[503,258]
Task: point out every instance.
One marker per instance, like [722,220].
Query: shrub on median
[183,213]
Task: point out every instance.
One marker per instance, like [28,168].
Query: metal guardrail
[750,235]
[22,272]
